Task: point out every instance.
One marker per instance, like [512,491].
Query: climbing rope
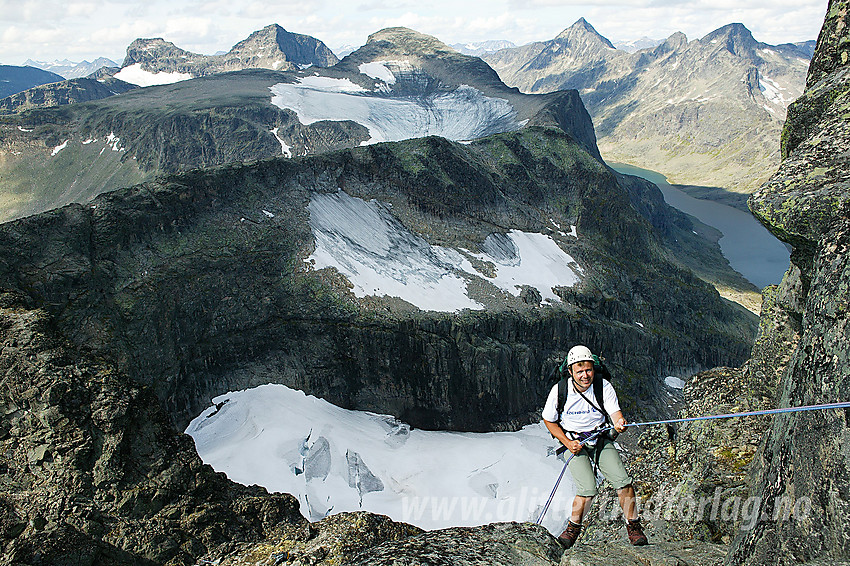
[843,405]
[822,407]
[564,469]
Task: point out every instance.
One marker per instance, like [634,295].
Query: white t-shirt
[579,415]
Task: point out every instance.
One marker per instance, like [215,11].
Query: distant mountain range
[156,61]
[704,112]
[70,69]
[479,48]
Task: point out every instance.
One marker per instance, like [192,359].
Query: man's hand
[573,446]
[621,425]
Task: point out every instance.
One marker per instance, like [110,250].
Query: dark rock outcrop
[92,471]
[808,205]
[363,539]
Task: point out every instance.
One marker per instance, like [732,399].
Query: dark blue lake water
[751,250]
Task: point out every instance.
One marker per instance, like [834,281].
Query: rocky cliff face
[789,473]
[705,112]
[92,470]
[806,203]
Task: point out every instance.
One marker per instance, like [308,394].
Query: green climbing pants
[610,464]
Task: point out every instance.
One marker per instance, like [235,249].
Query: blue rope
[842,405]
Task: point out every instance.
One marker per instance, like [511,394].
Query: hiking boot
[570,534]
[636,536]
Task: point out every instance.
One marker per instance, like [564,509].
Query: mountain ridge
[73,70]
[200,283]
[269,48]
[694,111]
[254,113]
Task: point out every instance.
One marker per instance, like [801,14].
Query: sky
[47,30]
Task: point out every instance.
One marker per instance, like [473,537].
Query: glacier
[335,460]
[380,256]
[462,113]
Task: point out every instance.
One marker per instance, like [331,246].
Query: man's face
[582,373]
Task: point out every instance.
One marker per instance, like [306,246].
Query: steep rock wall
[808,205]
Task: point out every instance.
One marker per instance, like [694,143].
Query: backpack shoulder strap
[597,393]
[562,396]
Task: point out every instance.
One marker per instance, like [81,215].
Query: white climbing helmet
[579,354]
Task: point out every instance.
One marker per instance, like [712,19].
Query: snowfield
[134,74]
[336,460]
[461,114]
[379,70]
[379,256]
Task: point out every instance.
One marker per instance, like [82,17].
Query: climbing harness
[822,407]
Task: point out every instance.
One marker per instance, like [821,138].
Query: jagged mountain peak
[269,48]
[294,47]
[673,43]
[145,50]
[736,38]
[271,32]
[409,41]
[582,29]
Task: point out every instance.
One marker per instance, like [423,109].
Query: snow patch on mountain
[378,70]
[381,257]
[59,148]
[536,260]
[773,92]
[134,74]
[461,114]
[285,149]
[113,141]
[335,460]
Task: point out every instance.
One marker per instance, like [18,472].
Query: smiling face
[582,373]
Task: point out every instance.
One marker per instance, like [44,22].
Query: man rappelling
[578,408]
